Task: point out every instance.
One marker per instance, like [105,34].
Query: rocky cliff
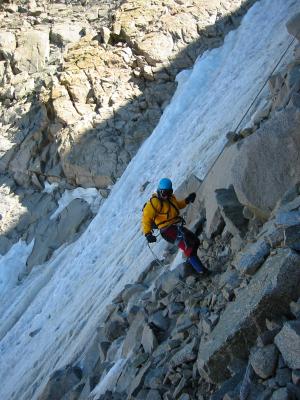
[82,85]
[234,334]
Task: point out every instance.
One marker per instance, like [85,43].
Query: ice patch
[90,195]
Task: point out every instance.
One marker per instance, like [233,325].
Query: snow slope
[48,319]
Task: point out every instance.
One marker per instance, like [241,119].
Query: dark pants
[186,240]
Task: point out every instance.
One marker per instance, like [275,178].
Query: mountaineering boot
[196,264]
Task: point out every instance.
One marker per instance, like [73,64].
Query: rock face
[269,292]
[104,72]
[179,333]
[249,166]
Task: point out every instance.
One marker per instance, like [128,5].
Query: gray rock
[288,343]
[131,290]
[295,308]
[63,33]
[228,385]
[159,321]
[246,165]
[268,294]
[154,378]
[246,383]
[293,26]
[267,337]
[115,329]
[186,354]
[280,394]
[168,281]
[134,334]
[153,395]
[283,376]
[294,391]
[292,237]
[251,257]
[60,231]
[33,51]
[8,44]
[296,376]
[89,358]
[113,350]
[181,385]
[287,219]
[184,396]
[231,211]
[155,47]
[5,244]
[60,382]
[149,341]
[264,360]
[175,309]
[230,278]
[103,348]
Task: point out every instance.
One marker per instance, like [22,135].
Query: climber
[162,212]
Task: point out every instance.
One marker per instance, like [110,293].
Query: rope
[252,103]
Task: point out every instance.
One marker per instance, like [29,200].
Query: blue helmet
[165,184]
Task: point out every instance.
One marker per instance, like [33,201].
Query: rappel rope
[240,122]
[252,103]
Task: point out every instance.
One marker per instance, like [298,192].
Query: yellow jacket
[161,213]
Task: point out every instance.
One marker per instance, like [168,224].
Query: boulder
[158,321]
[231,211]
[60,382]
[77,85]
[259,180]
[62,230]
[283,376]
[149,341]
[63,106]
[251,257]
[32,52]
[295,308]
[89,358]
[132,290]
[154,378]
[30,135]
[186,354]
[280,394]
[168,281]
[268,294]
[134,334]
[155,47]
[264,360]
[288,343]
[64,33]
[8,44]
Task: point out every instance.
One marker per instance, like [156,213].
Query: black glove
[150,238]
[191,198]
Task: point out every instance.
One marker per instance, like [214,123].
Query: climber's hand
[150,238]
[191,198]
